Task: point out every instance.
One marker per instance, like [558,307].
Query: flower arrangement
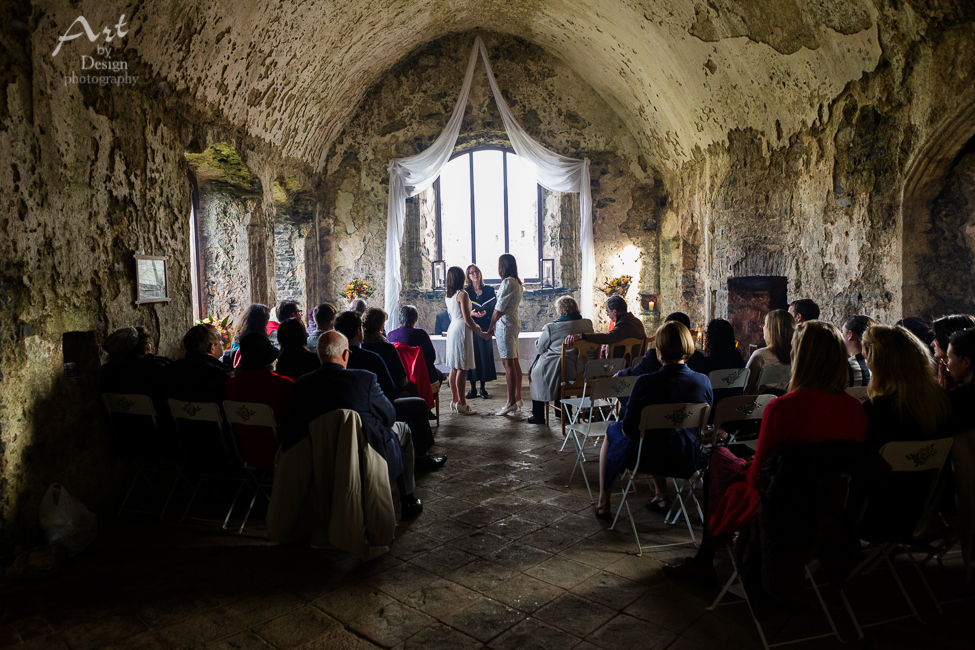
[223,326]
[358,289]
[618,286]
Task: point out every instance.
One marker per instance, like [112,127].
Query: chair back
[256,430]
[576,356]
[917,455]
[612,387]
[673,416]
[774,376]
[599,368]
[630,350]
[199,427]
[129,404]
[729,378]
[129,413]
[859,392]
[743,407]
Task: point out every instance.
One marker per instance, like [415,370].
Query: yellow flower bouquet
[618,286]
[358,289]
[223,326]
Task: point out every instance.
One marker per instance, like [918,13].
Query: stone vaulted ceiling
[679,73]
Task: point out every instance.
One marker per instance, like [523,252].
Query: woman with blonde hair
[546,370]
[505,319]
[460,339]
[816,409]
[777,331]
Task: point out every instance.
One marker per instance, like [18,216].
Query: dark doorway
[749,299]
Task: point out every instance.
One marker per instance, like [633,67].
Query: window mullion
[436,191]
[470,159]
[504,176]
[538,205]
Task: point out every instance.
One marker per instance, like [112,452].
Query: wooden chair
[574,356]
[632,350]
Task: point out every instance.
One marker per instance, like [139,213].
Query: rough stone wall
[407,110]
[90,175]
[223,222]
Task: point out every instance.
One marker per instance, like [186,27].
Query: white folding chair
[138,405]
[256,415]
[729,378]
[573,406]
[859,392]
[662,416]
[774,377]
[601,390]
[744,407]
[204,448]
[911,456]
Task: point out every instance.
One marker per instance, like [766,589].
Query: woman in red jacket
[816,409]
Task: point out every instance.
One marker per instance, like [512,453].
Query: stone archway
[935,251]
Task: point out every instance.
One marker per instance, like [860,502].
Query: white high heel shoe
[465,409]
[507,409]
[453,407]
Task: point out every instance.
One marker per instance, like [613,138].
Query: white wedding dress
[460,338]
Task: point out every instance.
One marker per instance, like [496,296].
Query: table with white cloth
[526,351]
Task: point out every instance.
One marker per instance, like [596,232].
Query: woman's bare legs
[460,382]
[512,380]
[660,487]
[519,376]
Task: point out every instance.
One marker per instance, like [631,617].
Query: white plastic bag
[65,520]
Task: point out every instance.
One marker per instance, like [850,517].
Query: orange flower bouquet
[358,289]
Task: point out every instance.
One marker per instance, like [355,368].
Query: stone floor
[504,556]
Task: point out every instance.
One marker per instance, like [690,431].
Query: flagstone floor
[504,556]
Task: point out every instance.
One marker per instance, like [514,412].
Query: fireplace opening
[749,299]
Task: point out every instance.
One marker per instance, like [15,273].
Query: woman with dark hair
[295,359]
[505,319]
[920,328]
[960,366]
[483,302]
[777,332]
[373,339]
[460,339]
[409,334]
[721,347]
[816,409]
[943,328]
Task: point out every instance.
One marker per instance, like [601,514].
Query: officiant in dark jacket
[483,301]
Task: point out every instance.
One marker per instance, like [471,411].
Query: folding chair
[662,416]
[206,446]
[255,415]
[743,407]
[601,391]
[137,446]
[575,357]
[772,376]
[595,369]
[859,392]
[727,382]
[913,456]
[962,524]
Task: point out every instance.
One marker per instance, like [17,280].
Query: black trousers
[414,412]
[538,408]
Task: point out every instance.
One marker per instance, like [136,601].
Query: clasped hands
[485,335]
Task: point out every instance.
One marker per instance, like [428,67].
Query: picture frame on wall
[151,279]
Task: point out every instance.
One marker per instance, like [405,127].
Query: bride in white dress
[460,339]
[508,324]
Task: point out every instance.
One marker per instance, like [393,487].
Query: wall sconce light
[649,302]
[439,275]
[548,274]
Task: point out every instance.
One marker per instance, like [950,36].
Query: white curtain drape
[410,176]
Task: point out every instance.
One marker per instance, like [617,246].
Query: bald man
[333,386]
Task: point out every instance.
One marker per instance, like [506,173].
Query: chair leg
[900,586]
[924,581]
[546,413]
[849,611]
[232,504]
[192,497]
[822,604]
[135,479]
[758,625]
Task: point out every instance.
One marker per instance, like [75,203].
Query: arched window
[489,205]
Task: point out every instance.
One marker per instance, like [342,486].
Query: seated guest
[324,319]
[312,326]
[960,367]
[816,409]
[804,310]
[411,410]
[920,328]
[906,403]
[335,386]
[131,366]
[295,359]
[626,326]
[199,376]
[853,330]
[286,311]
[650,363]
[777,332]
[721,347]
[666,452]
[374,340]
[546,369]
[442,323]
[409,334]
[255,319]
[943,328]
[255,382]
[358,306]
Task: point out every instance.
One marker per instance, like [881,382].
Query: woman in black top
[721,348]
[480,294]
[295,359]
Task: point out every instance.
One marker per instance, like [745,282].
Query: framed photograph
[151,279]
[548,274]
[439,275]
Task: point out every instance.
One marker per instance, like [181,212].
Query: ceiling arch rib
[680,76]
